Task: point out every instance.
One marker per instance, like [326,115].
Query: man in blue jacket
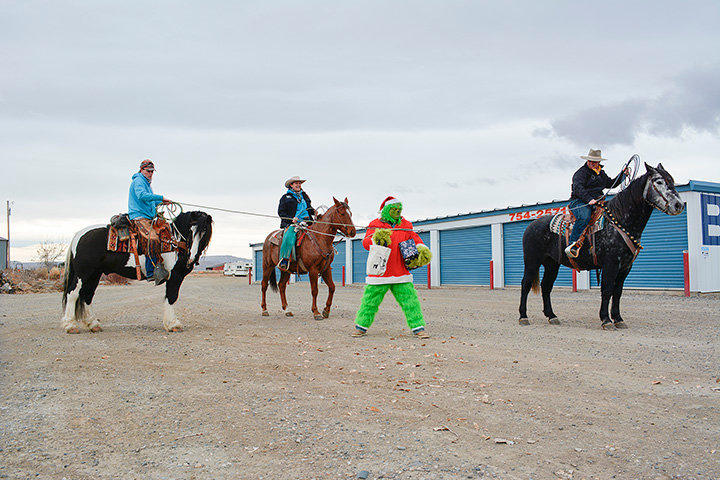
[142,204]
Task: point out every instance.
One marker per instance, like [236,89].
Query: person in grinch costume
[389,230]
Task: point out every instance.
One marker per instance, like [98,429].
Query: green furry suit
[389,230]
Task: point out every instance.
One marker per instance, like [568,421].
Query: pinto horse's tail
[68,277]
[272,280]
[70,283]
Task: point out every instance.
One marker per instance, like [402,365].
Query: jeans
[582,212]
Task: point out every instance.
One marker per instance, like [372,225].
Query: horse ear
[346,201]
[660,167]
[649,168]
[336,201]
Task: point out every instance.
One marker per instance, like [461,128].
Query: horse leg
[607,288]
[264,287]
[313,274]
[85,296]
[327,277]
[617,293]
[172,290]
[551,272]
[529,281]
[284,279]
[71,296]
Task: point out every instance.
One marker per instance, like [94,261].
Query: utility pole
[7,247]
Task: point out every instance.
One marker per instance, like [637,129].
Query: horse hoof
[524,321]
[96,329]
[319,317]
[289,314]
[608,325]
[326,314]
[72,330]
[553,321]
[620,325]
[176,329]
[265,314]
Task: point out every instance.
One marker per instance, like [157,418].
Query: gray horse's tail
[535,285]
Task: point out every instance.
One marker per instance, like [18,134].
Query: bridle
[666,209]
[341,227]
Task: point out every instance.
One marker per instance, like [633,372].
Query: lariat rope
[253,214]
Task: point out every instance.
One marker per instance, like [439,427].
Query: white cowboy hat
[292,180]
[593,156]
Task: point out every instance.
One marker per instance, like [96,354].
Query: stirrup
[161,274]
[573,250]
[284,264]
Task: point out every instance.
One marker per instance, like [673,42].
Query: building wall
[464,245]
[3,254]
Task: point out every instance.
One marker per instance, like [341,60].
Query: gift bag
[408,250]
[377,260]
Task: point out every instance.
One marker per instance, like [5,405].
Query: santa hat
[388,201]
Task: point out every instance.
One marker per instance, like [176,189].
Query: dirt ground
[240,396]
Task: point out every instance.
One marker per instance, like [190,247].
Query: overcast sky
[452,106]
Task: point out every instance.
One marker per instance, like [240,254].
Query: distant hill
[210,261]
[205,262]
[15,265]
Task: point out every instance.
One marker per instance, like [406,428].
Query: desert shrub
[40,273]
[55,273]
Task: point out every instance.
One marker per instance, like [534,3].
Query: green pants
[288,243]
[406,296]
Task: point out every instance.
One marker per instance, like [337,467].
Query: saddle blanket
[562,224]
[276,238]
[119,241]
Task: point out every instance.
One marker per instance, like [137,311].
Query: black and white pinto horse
[88,258]
[631,209]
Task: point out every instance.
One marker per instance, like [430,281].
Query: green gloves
[424,257]
[382,237]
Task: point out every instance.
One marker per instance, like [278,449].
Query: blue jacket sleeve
[145,195]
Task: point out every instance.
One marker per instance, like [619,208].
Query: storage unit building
[467,246]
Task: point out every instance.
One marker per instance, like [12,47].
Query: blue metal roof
[706,187]
[693,185]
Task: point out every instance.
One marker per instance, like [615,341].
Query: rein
[632,243]
[667,202]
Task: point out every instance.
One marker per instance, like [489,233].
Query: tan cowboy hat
[593,156]
[292,180]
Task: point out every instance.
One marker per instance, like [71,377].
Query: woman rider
[294,207]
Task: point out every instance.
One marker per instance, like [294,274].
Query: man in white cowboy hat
[294,207]
[587,187]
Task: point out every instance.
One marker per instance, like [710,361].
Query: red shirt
[396,271]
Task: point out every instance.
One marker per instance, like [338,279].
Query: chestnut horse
[315,253]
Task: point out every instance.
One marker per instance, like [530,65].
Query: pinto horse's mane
[202,220]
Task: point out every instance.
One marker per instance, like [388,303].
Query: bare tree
[48,252]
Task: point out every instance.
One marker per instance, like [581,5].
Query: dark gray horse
[629,210]
[88,258]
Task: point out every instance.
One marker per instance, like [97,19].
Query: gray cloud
[693,101]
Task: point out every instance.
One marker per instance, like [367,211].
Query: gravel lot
[237,395]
